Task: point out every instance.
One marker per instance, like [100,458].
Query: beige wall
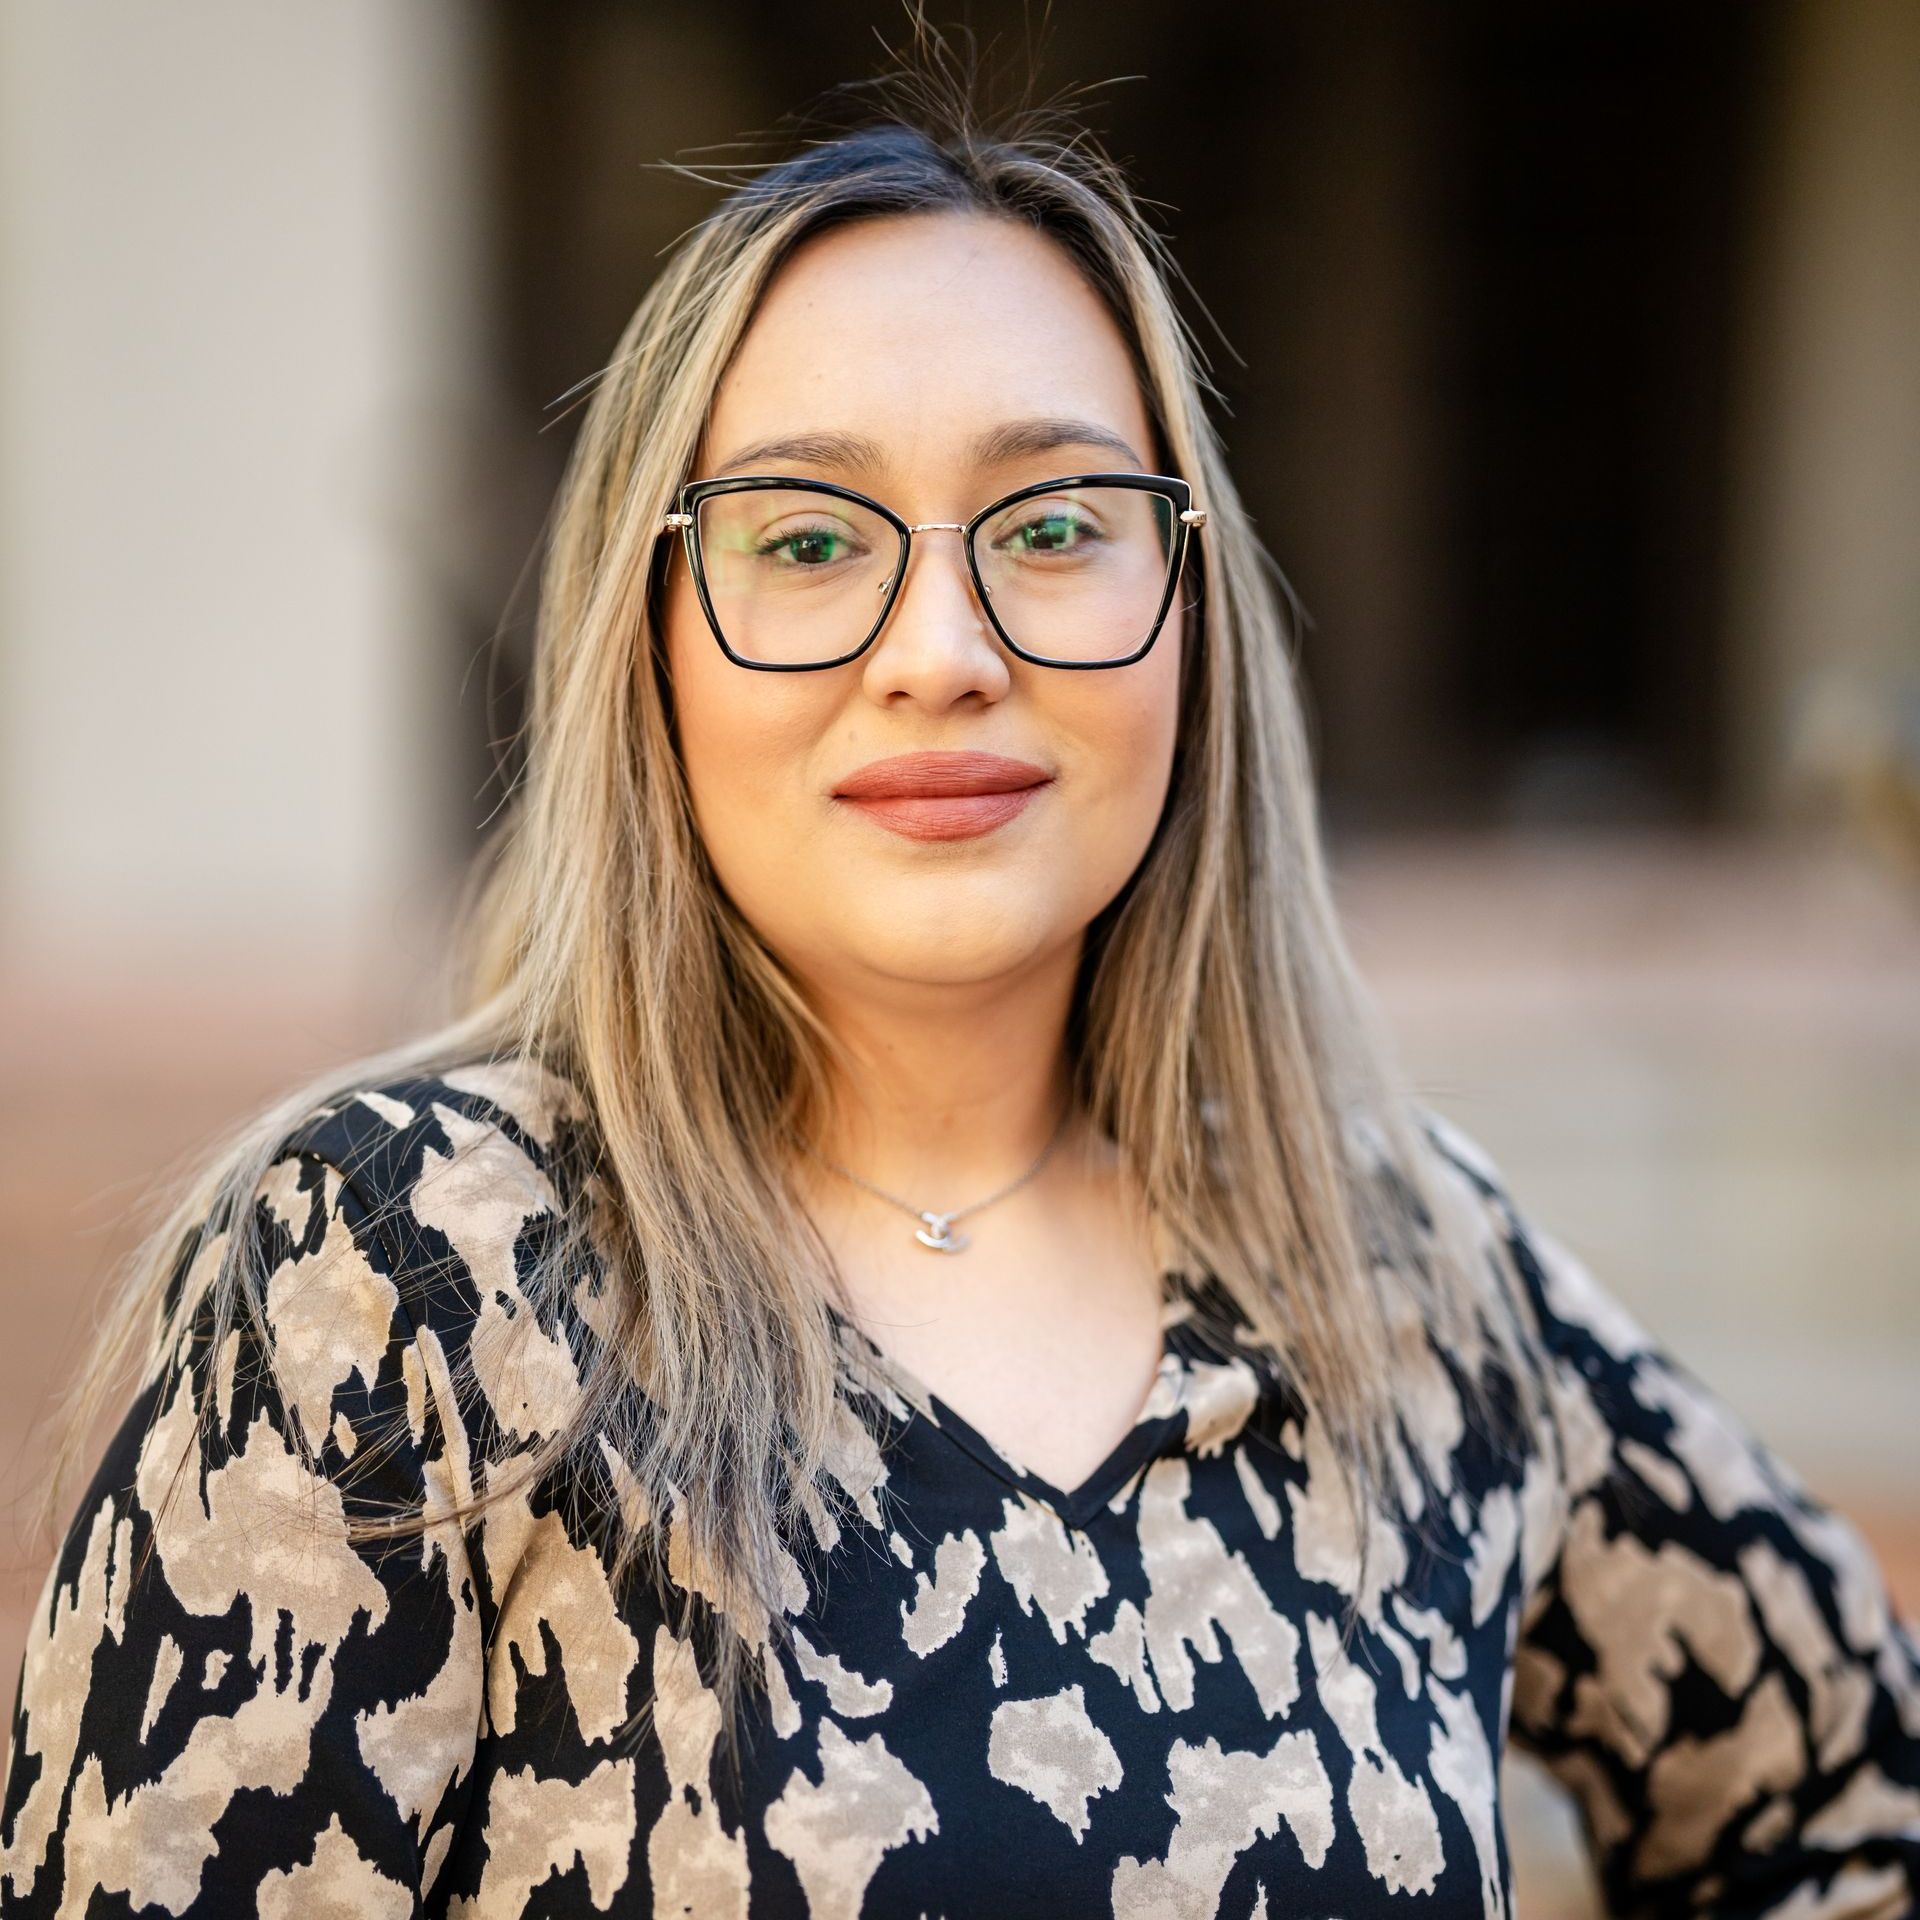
[238,275]
[1826,563]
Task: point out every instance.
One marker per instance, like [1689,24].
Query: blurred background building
[1568,355]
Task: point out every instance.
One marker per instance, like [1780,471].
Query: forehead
[919,330]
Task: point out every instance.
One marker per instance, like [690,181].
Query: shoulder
[1562,1305]
[448,1166]
[1628,1427]
[391,1227]
[1594,1397]
[392,1137]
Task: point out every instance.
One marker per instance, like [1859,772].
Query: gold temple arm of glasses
[1195,516]
[673,520]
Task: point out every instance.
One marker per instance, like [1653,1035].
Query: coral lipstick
[942,796]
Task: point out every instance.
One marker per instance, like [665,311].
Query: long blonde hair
[1258,1106]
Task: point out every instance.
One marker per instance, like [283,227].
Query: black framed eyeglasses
[797,575]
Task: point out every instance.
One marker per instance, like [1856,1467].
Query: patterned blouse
[1131,1697]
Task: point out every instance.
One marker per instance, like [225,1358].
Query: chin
[958,947]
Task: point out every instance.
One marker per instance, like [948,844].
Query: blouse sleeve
[226,1705]
[1708,1660]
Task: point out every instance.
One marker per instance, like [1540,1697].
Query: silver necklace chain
[936,1229]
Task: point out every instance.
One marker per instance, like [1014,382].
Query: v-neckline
[1164,1402]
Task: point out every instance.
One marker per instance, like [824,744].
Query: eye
[1045,529]
[807,547]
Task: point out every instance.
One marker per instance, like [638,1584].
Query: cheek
[1126,733]
[711,728]
[746,741]
[720,745]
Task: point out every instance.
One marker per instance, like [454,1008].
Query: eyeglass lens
[796,577]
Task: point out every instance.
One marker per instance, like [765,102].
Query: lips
[909,776]
[942,796]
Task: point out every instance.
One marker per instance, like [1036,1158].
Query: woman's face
[934,362]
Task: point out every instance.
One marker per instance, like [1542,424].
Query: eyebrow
[809,449]
[1020,437]
[1011,441]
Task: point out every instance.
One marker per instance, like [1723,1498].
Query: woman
[908,1354]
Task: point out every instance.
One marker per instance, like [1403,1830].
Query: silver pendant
[942,1239]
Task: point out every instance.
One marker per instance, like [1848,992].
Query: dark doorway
[1470,276]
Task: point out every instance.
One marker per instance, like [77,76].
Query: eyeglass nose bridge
[932,526]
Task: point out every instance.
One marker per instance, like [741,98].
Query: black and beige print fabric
[1133,1697]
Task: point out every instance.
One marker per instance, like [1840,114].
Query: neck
[948,1092]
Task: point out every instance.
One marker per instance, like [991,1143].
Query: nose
[937,642]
